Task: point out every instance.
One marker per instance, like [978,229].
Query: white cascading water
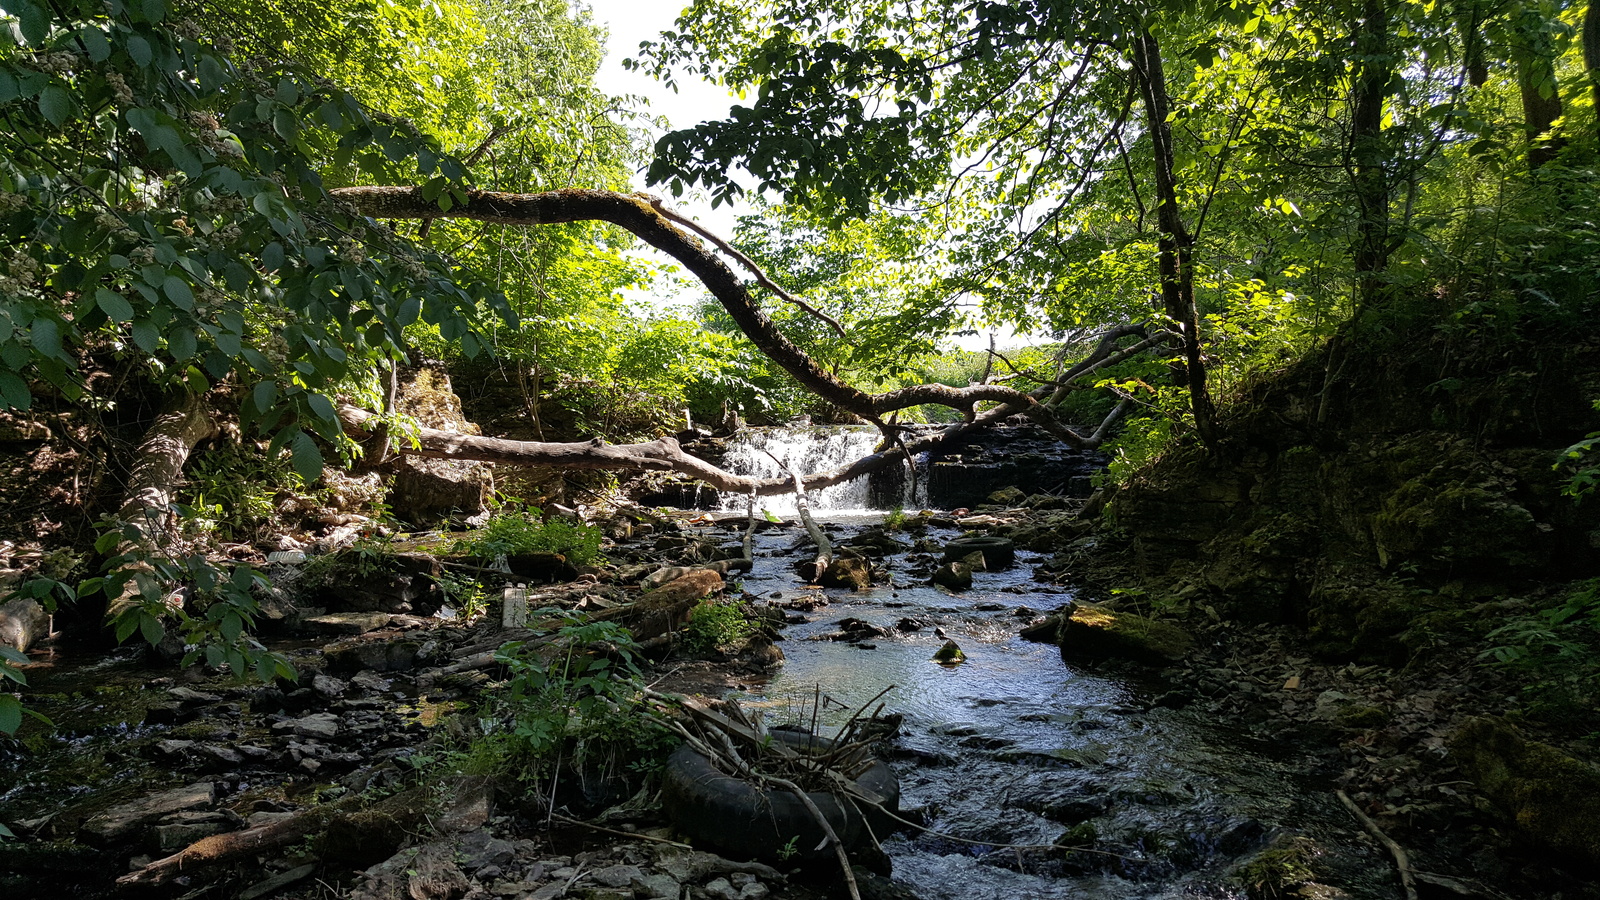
[810,449]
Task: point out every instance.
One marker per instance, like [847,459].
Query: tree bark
[1591,56]
[1536,81]
[152,486]
[1372,72]
[1176,243]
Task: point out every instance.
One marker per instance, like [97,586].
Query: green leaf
[14,393]
[10,714]
[264,395]
[178,291]
[307,459]
[114,305]
[322,408]
[55,103]
[151,629]
[139,51]
[46,337]
[94,41]
[146,335]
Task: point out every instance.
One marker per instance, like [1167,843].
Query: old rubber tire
[998,552]
[739,819]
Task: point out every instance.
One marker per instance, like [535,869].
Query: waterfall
[813,449]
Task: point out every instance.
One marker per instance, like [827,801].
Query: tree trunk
[1470,16]
[1591,56]
[146,513]
[1372,72]
[1536,81]
[1176,244]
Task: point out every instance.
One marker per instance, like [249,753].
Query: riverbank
[1216,775]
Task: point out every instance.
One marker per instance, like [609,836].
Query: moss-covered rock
[1094,632]
[1553,799]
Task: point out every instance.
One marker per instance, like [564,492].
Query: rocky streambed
[1027,771]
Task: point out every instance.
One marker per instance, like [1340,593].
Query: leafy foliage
[717,623]
[512,531]
[164,203]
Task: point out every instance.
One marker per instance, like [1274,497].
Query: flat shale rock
[122,822]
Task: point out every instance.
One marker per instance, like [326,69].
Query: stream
[1002,756]
[1016,747]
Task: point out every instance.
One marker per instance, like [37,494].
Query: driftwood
[374,831]
[1402,861]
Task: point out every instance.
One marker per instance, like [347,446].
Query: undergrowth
[1555,653]
[512,531]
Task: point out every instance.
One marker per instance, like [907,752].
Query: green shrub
[511,532]
[715,623]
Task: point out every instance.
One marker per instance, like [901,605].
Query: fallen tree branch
[1402,861]
[643,215]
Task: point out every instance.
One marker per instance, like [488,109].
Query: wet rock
[191,696]
[955,575]
[848,572]
[348,623]
[328,686]
[1553,799]
[616,876]
[1007,497]
[277,882]
[720,889]
[481,850]
[318,725]
[1096,633]
[121,822]
[393,654]
[657,887]
[22,621]
[949,655]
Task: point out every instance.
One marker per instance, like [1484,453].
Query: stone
[1008,497]
[657,887]
[692,865]
[121,822]
[1095,632]
[616,876]
[22,622]
[949,655]
[848,572]
[277,882]
[549,892]
[328,686]
[1551,798]
[755,890]
[348,623]
[175,837]
[395,654]
[720,889]
[317,725]
[190,695]
[954,575]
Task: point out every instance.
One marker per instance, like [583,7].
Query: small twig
[626,834]
[1402,862]
[827,829]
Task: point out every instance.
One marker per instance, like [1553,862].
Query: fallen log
[353,829]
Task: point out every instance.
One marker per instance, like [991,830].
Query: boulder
[956,576]
[1551,798]
[848,572]
[22,621]
[1094,632]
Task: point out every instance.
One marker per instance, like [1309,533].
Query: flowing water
[1015,747]
[768,452]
